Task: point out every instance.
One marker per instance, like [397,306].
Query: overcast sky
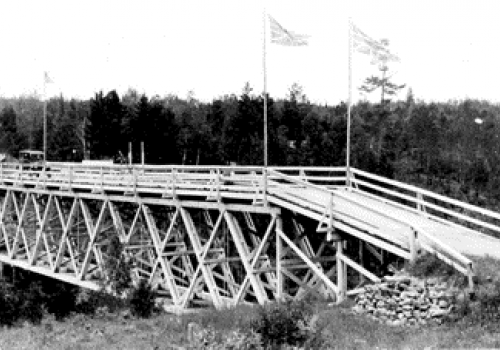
[448,49]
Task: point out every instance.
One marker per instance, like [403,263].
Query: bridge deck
[394,216]
[389,221]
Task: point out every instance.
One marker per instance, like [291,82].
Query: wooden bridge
[227,235]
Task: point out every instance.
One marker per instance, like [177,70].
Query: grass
[338,327]
[341,330]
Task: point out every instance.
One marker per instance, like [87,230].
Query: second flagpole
[264,67]
[349,103]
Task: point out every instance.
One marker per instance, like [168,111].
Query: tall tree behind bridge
[10,140]
[103,127]
[382,82]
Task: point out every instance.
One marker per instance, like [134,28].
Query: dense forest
[440,146]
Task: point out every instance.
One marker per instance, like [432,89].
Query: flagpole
[265,89]
[264,68]
[45,117]
[349,104]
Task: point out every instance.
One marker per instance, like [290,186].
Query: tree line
[452,146]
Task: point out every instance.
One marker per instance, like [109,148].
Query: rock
[358,309]
[402,301]
[398,279]
[443,304]
[438,312]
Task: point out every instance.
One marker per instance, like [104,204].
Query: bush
[31,306]
[142,300]
[9,305]
[60,299]
[428,265]
[89,302]
[209,338]
[287,323]
[483,309]
[117,268]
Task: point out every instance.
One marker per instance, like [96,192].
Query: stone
[397,279]
[443,304]
[438,312]
[358,309]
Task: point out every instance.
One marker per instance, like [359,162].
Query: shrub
[60,299]
[117,268]
[427,265]
[89,302]
[287,323]
[9,305]
[209,338]
[142,300]
[31,306]
[483,310]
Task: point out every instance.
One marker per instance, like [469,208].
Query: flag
[46,78]
[364,44]
[281,36]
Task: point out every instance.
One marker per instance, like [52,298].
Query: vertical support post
[413,245]
[264,191]
[44,175]
[470,277]
[341,278]
[329,235]
[173,182]
[361,260]
[217,183]
[134,178]
[142,153]
[279,248]
[70,176]
[102,178]
[130,153]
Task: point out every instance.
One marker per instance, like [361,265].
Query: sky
[210,48]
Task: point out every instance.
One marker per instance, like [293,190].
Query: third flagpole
[349,103]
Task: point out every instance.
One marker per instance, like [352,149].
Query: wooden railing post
[174,182]
[264,192]
[217,184]
[134,179]
[348,178]
[102,178]
[413,245]
[70,176]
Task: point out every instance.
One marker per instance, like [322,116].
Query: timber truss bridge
[229,235]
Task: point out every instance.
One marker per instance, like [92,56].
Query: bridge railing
[241,182]
[428,203]
[329,177]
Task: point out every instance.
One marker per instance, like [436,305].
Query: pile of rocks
[406,301]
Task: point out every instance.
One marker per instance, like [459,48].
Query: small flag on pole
[282,36]
[364,44]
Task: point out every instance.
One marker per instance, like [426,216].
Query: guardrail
[213,182]
[427,203]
